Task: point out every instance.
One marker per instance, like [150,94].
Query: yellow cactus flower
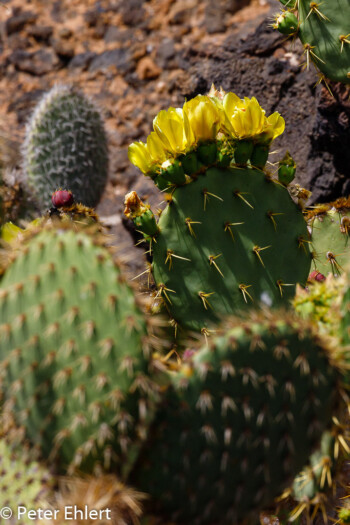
[246,118]
[139,156]
[203,117]
[172,128]
[276,125]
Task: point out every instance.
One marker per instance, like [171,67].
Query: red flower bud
[316,276]
[61,198]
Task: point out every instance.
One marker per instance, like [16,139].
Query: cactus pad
[241,420]
[330,228]
[230,239]
[23,481]
[74,354]
[324,30]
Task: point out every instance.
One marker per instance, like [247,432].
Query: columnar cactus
[323,28]
[230,235]
[241,420]
[75,354]
[66,146]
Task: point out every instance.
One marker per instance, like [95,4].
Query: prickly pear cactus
[330,227]
[324,30]
[66,146]
[320,302]
[230,235]
[74,356]
[23,482]
[231,432]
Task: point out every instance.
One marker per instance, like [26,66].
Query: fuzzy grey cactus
[66,146]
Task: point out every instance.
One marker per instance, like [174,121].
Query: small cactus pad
[324,30]
[330,229]
[230,239]
[241,420]
[66,146]
[23,482]
[74,356]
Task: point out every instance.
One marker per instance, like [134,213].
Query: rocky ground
[137,57]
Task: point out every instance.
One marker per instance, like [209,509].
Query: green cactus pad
[344,329]
[330,228]
[230,239]
[241,420]
[74,355]
[324,30]
[23,481]
[66,147]
[314,479]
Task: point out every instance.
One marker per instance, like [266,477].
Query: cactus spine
[66,146]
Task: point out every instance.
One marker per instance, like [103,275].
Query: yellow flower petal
[203,117]
[231,103]
[139,156]
[276,125]
[170,128]
[10,231]
[155,148]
